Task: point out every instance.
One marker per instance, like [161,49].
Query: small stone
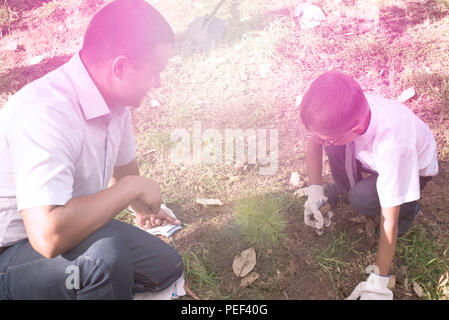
[298,100]
[155,103]
[264,70]
[407,95]
[36,60]
[294,179]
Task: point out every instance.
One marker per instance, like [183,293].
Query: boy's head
[334,108]
[127,44]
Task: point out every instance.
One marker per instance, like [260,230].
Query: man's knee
[173,261]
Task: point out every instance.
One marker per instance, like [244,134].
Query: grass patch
[262,219]
[334,259]
[198,271]
[425,258]
[6,15]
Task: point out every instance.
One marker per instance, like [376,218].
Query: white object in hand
[312,214]
[374,288]
[166,230]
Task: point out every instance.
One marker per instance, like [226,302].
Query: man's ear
[120,65]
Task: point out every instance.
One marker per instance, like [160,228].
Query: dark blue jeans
[363,195]
[115,262]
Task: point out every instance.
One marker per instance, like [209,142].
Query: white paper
[166,230]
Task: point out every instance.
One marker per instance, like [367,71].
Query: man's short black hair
[125,27]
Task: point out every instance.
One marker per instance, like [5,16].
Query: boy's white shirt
[399,147]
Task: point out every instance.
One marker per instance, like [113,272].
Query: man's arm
[314,161]
[144,218]
[54,229]
[388,237]
[131,169]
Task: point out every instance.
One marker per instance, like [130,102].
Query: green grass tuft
[426,259]
[197,270]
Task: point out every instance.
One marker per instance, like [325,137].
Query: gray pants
[115,262]
[363,195]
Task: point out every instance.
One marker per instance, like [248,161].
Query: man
[380,137]
[63,139]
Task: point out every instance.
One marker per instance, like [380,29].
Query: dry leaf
[10,46]
[391,282]
[417,289]
[244,263]
[250,278]
[209,202]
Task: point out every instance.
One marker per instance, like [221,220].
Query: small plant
[261,220]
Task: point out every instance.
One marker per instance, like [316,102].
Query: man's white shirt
[399,147]
[58,140]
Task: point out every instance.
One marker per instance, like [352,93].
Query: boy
[379,136]
[64,139]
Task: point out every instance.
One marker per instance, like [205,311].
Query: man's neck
[95,75]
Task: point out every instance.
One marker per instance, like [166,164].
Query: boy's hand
[374,288]
[312,214]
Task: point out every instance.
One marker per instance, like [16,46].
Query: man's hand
[374,288]
[148,220]
[312,214]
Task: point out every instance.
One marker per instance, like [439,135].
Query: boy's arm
[314,161]
[388,237]
[376,286]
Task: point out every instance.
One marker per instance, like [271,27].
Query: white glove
[374,288]
[312,214]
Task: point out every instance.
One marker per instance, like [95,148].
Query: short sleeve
[42,147]
[398,180]
[127,150]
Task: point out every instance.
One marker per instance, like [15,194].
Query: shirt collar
[370,133]
[90,99]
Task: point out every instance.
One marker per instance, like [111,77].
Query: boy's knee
[362,202]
